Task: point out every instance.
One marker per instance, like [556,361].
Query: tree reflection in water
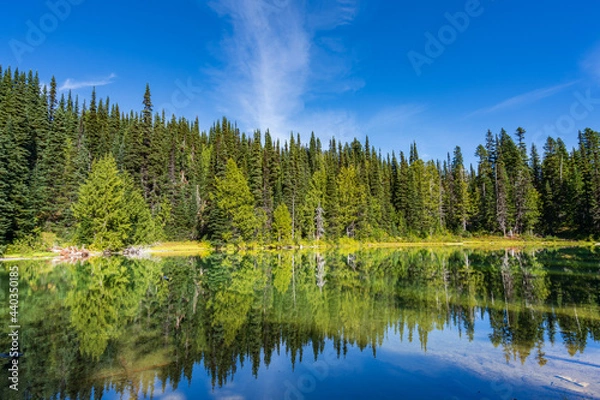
[125,324]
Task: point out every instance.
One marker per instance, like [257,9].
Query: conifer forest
[97,175]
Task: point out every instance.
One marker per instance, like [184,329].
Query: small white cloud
[72,84]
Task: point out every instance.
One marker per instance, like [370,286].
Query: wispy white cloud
[72,84]
[271,59]
[326,15]
[523,99]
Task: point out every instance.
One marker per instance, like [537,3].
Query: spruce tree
[111,213]
[282,223]
[146,144]
[352,200]
[486,207]
[313,221]
[235,203]
[589,144]
[460,193]
[101,208]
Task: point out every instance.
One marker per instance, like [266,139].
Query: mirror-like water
[419,323]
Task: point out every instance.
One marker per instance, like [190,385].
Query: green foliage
[282,224]
[352,200]
[142,226]
[162,217]
[233,198]
[103,295]
[101,208]
[111,213]
[34,242]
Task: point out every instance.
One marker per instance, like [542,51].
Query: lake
[449,323]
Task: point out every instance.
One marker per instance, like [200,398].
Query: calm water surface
[419,323]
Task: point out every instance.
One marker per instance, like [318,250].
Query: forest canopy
[171,180]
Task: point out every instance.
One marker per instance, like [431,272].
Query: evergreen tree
[536,168]
[525,195]
[101,208]
[352,200]
[502,209]
[554,187]
[415,202]
[17,217]
[146,144]
[282,224]
[589,145]
[313,222]
[432,200]
[255,170]
[110,213]
[50,171]
[460,193]
[9,162]
[233,198]
[486,207]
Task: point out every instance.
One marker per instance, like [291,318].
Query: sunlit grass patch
[181,248]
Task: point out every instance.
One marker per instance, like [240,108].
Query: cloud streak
[72,84]
[523,99]
[270,64]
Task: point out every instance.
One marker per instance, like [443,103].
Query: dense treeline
[224,185]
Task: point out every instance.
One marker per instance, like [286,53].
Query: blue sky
[440,73]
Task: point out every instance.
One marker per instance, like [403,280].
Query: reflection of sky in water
[452,368]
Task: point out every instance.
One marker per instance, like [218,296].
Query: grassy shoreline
[492,243]
[174,249]
[188,248]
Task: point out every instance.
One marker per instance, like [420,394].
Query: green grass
[482,242]
[180,248]
[35,254]
[185,248]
